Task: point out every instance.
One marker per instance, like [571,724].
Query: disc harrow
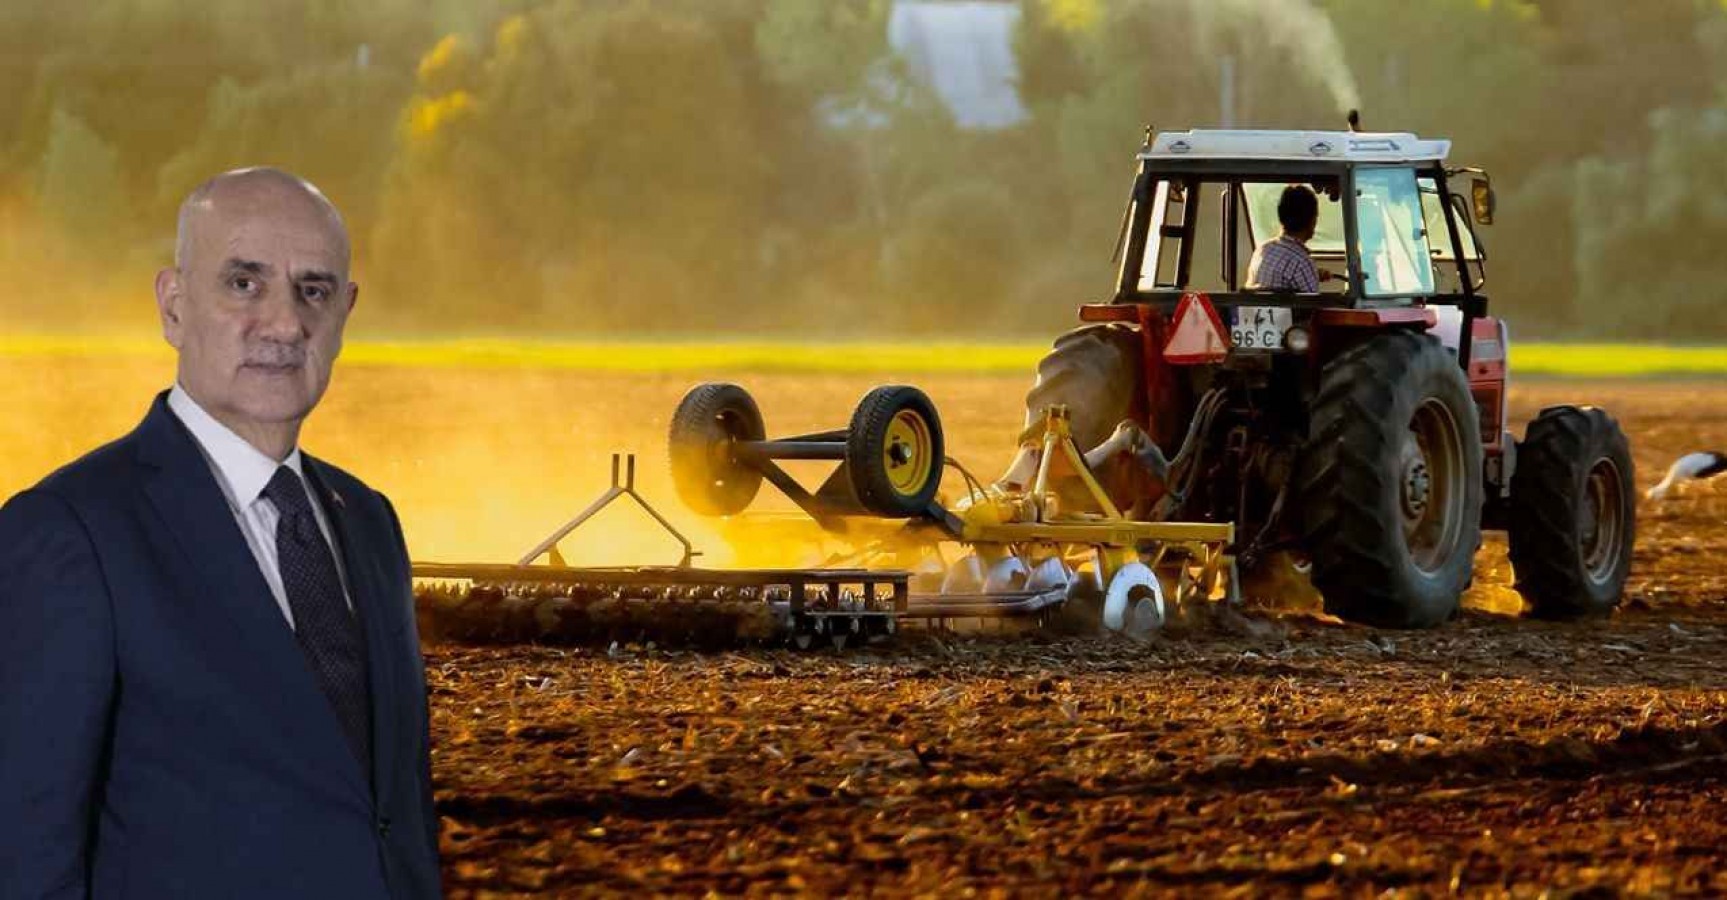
[682,605]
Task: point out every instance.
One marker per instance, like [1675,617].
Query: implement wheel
[1390,483]
[710,420]
[1573,513]
[894,452]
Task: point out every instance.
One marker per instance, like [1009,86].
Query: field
[1268,754]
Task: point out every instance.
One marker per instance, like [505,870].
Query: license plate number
[1260,327]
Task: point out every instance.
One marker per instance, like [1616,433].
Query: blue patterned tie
[327,631]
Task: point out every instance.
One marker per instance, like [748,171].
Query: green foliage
[78,185]
[1629,213]
[822,49]
[330,123]
[600,157]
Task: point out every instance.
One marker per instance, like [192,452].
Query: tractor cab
[1392,231]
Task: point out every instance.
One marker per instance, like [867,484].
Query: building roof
[963,51]
[1331,146]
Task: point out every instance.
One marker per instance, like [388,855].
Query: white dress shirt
[243,471]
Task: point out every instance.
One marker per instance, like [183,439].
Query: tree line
[688,167]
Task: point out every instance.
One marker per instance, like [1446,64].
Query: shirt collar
[1293,242]
[243,469]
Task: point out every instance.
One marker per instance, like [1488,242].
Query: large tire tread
[1094,371]
[1559,448]
[1361,565]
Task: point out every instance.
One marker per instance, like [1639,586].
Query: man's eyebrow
[320,275]
[249,266]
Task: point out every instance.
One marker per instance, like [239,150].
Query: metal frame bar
[1058,436]
[757,451]
[1473,305]
[1189,230]
[627,488]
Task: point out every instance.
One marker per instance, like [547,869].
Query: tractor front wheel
[1390,483]
[1573,513]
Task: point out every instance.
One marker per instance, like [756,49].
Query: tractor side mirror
[1481,191]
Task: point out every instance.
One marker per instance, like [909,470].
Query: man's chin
[275,394]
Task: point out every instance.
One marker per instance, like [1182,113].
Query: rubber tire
[708,481]
[1094,371]
[865,443]
[1547,496]
[1347,482]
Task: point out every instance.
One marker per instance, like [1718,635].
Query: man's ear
[353,295]
[170,302]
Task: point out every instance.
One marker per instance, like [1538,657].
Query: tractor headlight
[1297,339]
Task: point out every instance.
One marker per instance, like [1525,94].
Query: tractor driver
[1283,263]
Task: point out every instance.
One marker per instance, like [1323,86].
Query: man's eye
[243,284]
[314,292]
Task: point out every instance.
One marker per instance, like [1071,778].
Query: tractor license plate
[1260,327]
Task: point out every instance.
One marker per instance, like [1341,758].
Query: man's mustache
[276,355]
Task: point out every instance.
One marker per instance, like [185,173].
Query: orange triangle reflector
[1197,335]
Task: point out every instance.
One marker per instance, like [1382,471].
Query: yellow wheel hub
[907,452]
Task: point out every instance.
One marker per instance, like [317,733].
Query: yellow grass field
[1567,360]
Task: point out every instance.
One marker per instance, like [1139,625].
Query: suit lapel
[377,617]
[184,492]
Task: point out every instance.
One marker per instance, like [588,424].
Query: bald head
[260,189]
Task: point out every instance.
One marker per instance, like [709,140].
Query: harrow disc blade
[1010,573]
[964,576]
[1049,575]
[1132,584]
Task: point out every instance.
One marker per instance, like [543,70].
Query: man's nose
[281,315]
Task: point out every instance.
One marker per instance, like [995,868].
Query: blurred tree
[331,123]
[78,181]
[823,49]
[624,164]
[1645,230]
[595,166]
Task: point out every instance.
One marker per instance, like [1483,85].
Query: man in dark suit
[210,675]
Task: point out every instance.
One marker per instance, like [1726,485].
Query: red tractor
[1362,427]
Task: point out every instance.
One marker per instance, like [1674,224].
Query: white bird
[1687,468]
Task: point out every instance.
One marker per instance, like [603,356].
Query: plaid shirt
[1282,264]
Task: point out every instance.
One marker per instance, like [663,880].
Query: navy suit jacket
[161,734]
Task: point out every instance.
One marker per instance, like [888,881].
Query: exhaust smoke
[1296,27]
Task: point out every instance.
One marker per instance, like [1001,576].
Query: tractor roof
[1304,146]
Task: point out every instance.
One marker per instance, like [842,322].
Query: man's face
[257,306]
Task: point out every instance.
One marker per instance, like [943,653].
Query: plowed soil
[1266,754]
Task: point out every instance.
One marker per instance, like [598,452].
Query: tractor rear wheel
[1390,483]
[1573,513]
[1094,371]
[705,469]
